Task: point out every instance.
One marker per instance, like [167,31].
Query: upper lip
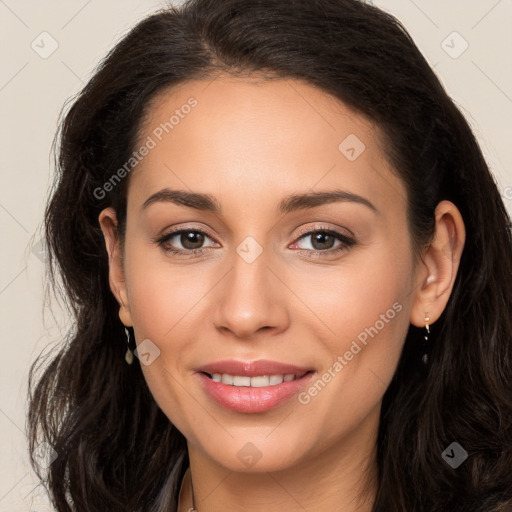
[252,368]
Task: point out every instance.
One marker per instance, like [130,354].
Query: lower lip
[250,400]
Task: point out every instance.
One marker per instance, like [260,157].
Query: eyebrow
[291,203]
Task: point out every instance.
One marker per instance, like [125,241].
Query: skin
[250,143]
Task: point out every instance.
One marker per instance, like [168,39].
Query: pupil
[318,238]
[188,238]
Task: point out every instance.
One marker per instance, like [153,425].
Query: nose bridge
[249,297]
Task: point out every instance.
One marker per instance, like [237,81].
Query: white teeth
[241,381]
[260,381]
[255,382]
[227,379]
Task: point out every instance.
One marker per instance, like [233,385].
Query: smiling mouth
[258,381]
[254,387]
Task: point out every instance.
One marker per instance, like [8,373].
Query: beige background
[33,90]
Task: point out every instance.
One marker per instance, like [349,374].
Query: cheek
[164,301]
[365,297]
[364,312]
[161,294]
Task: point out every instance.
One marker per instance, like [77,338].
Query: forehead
[237,137]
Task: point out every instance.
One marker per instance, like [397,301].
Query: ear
[440,263]
[108,223]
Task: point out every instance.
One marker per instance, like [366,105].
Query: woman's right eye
[190,239]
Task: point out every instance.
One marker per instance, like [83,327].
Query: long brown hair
[116,449]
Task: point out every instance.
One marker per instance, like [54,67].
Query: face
[283,270]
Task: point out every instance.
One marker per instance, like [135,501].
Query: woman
[279,209]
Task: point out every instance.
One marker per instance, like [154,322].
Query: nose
[251,299]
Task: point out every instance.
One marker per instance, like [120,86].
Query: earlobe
[440,262]
[108,223]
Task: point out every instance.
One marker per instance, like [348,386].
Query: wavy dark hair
[117,451]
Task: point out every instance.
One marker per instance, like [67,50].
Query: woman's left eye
[322,241]
[192,241]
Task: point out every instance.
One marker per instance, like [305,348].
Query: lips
[252,368]
[242,397]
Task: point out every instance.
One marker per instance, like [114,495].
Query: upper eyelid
[338,231]
[185,229]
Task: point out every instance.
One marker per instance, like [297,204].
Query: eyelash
[346,242]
